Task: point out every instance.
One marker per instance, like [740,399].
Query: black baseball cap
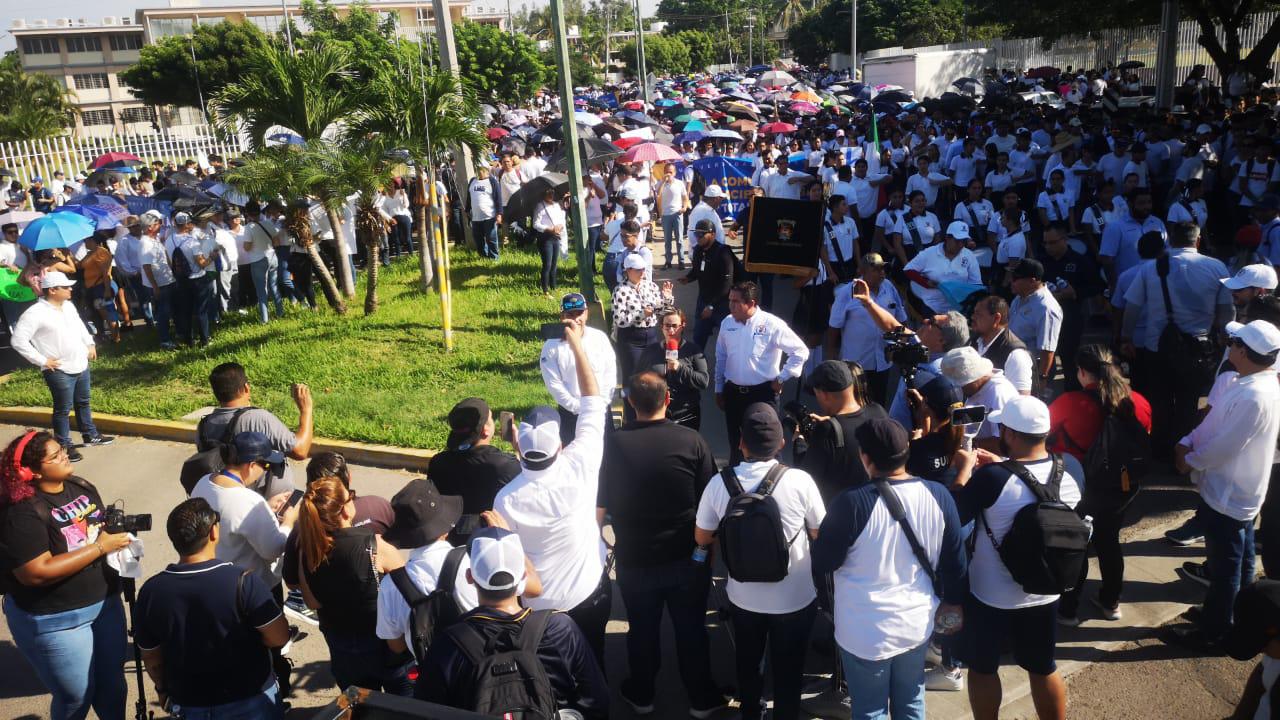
[422,514]
[466,420]
[942,396]
[1029,268]
[884,441]
[704,226]
[830,376]
[761,430]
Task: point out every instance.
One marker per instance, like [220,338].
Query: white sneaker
[939,678]
[1108,613]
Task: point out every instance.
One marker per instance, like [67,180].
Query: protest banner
[733,175]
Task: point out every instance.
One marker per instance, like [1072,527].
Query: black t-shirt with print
[56,523]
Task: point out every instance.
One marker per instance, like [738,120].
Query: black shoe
[1191,638]
[637,707]
[99,440]
[74,455]
[1195,572]
[1193,614]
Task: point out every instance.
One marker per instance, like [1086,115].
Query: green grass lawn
[381,379]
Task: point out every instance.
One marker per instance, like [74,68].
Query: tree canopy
[39,105]
[499,66]
[165,73]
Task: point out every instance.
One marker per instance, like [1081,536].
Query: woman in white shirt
[549,222]
[976,212]
[395,205]
[1054,204]
[1190,208]
[999,179]
[916,229]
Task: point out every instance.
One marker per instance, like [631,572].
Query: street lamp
[751,26]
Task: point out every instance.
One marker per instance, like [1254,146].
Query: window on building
[210,19]
[84,43]
[132,41]
[137,114]
[39,46]
[267,23]
[91,81]
[96,117]
[166,27]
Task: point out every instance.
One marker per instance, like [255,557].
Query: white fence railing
[71,155]
[1108,47]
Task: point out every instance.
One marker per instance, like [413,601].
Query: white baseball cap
[963,365]
[497,559]
[539,435]
[1261,336]
[635,261]
[55,279]
[1252,276]
[1203,129]
[1024,413]
[152,216]
[713,191]
[958,229]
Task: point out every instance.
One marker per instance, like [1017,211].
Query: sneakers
[702,713]
[1108,612]
[1187,534]
[1191,638]
[74,455]
[99,440]
[1194,572]
[1069,621]
[940,678]
[296,608]
[294,634]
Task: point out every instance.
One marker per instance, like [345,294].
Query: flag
[875,131]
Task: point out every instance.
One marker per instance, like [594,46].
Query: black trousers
[878,386]
[1174,397]
[592,615]
[787,639]
[736,400]
[1271,527]
[1108,512]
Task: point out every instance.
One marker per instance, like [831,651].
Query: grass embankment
[381,379]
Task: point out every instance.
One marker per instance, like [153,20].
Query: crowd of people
[1016,314]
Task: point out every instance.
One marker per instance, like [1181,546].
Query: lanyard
[233,476]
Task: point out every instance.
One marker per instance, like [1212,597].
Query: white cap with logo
[497,559]
[55,279]
[1252,276]
[958,229]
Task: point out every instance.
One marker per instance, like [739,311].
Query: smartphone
[506,425]
[295,497]
[551,331]
[968,415]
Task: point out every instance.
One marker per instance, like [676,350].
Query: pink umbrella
[650,152]
[496,133]
[804,108]
[633,105]
[775,128]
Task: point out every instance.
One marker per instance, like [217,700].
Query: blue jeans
[879,687]
[202,295]
[260,275]
[682,589]
[279,274]
[70,391]
[549,251]
[142,294]
[364,660]
[703,327]
[673,235]
[77,654]
[1229,560]
[262,706]
[610,270]
[162,306]
[486,235]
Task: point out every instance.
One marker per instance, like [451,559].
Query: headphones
[25,474]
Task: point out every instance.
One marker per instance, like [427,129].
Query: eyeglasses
[61,454]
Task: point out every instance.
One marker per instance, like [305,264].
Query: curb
[384,456]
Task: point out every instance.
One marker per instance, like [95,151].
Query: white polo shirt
[934,264]
[861,340]
[800,505]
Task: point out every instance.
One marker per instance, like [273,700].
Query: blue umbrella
[287,139]
[664,102]
[102,218]
[59,230]
[693,137]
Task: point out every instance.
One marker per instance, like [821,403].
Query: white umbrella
[587,118]
[19,217]
[777,78]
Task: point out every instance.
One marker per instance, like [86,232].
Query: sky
[95,10]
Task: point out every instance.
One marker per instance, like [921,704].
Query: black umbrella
[182,178]
[592,150]
[188,193]
[512,143]
[555,129]
[894,96]
[6,172]
[608,128]
[1131,65]
[524,201]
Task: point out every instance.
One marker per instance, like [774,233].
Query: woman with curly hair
[62,601]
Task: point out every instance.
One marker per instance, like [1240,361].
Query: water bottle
[673,351]
[700,553]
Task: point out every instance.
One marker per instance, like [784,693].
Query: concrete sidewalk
[143,474]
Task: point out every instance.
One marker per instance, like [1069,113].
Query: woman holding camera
[937,444]
[340,569]
[62,601]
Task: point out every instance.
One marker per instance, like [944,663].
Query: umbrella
[496,133]
[512,143]
[1130,65]
[664,102]
[744,126]
[56,230]
[804,108]
[900,96]
[633,105]
[586,118]
[524,131]
[776,78]
[1044,71]
[591,150]
[650,152]
[515,117]
[107,175]
[287,139]
[742,110]
[691,126]
[627,142]
[636,117]
[777,128]
[112,157]
[693,137]
[686,117]
[21,218]
[806,96]
[174,193]
[722,134]
[524,201]
[101,218]
[6,172]
[11,289]
[489,112]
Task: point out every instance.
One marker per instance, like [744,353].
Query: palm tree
[295,173]
[306,93]
[39,105]
[406,96]
[362,166]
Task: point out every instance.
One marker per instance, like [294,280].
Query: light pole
[640,64]
[195,67]
[853,40]
[751,36]
[577,215]
[288,32]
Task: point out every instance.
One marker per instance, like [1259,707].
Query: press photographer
[62,601]
[832,455]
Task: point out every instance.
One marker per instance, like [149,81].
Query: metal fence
[72,155]
[1107,47]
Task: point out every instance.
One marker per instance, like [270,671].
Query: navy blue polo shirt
[213,652]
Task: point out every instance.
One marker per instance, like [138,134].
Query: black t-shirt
[929,459]
[345,584]
[213,652]
[477,474]
[833,468]
[57,523]
[372,512]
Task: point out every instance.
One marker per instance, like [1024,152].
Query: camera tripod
[140,712]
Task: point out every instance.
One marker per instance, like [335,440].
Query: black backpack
[752,539]
[508,679]
[428,612]
[208,460]
[180,265]
[1120,455]
[1048,542]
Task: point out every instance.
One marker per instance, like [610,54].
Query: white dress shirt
[861,340]
[560,374]
[750,353]
[1233,447]
[1017,366]
[933,263]
[548,216]
[554,512]
[47,331]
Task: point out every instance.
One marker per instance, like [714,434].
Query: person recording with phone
[62,600]
[681,364]
[833,456]
[470,465]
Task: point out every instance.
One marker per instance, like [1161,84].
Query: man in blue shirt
[1200,303]
[1119,249]
[204,626]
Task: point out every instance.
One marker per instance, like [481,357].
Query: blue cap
[256,447]
[573,301]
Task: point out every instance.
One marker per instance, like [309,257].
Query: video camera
[116,521]
[797,421]
[905,351]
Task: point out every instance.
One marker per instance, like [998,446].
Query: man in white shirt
[983,385]
[862,191]
[51,336]
[1035,317]
[998,612]
[559,367]
[126,257]
[854,336]
[886,595]
[706,210]
[994,341]
[777,614]
[1229,456]
[673,202]
[551,504]
[749,351]
[483,194]
[948,261]
[195,295]
[784,183]
[255,262]
[157,275]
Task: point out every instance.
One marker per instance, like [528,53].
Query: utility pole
[728,38]
[511,26]
[463,171]
[640,64]
[608,54]
[573,155]
[288,32]
[751,37]
[1167,54]
[853,40]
